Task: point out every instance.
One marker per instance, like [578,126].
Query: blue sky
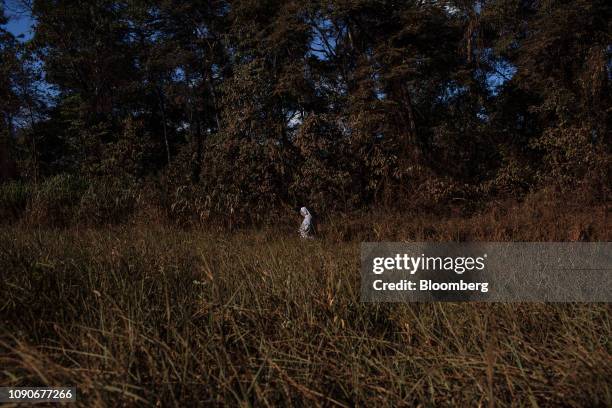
[19,24]
[22,26]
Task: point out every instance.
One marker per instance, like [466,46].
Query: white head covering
[306,229]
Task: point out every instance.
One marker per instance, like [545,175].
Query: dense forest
[246,108]
[155,156]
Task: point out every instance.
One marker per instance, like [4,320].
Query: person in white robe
[307,227]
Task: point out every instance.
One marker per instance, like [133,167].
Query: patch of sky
[323,43]
[499,70]
[483,115]
[20,22]
[21,25]
[294,119]
[502,72]
[178,74]
[451,91]
[453,10]
[216,71]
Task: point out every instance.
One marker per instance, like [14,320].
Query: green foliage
[575,153]
[132,156]
[242,108]
[54,201]
[66,199]
[323,175]
[108,202]
[14,198]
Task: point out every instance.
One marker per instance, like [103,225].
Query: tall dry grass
[148,315]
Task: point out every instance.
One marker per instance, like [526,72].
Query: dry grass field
[155,315]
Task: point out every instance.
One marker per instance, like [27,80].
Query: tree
[559,99]
[9,103]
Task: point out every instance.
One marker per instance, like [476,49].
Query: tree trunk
[162,107]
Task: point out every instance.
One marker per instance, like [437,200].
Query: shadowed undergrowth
[151,315]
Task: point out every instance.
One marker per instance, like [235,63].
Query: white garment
[306,229]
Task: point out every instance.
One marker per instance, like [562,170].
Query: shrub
[14,198]
[107,202]
[55,199]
